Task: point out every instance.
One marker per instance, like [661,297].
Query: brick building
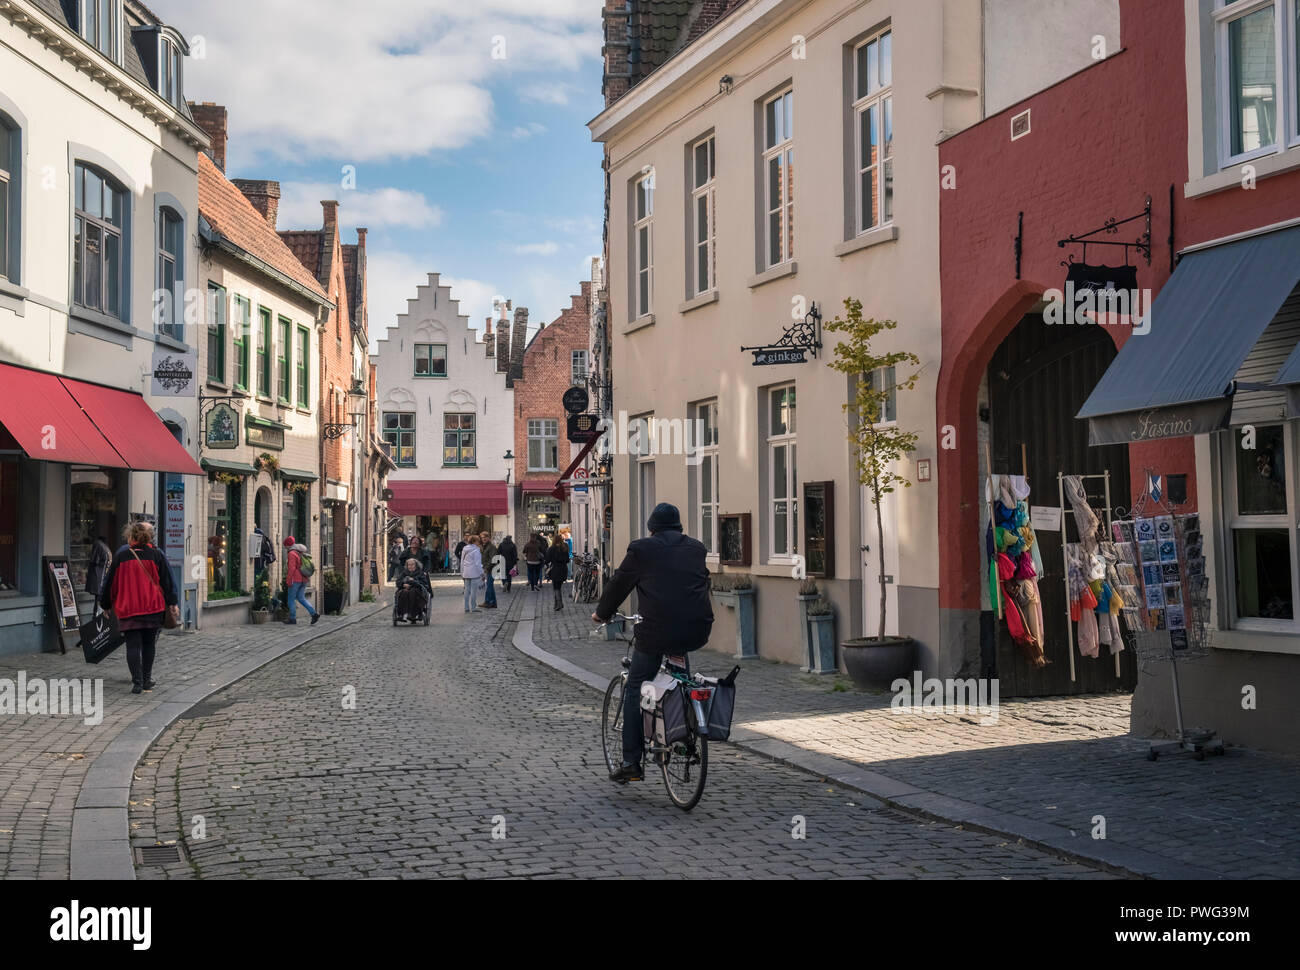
[554,360]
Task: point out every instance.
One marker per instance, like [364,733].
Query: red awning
[56,418]
[47,422]
[537,487]
[131,426]
[448,498]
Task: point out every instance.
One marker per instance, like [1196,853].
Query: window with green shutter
[304,392]
[216,333]
[264,352]
[285,355]
[242,338]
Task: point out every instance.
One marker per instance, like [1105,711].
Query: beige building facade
[786,157]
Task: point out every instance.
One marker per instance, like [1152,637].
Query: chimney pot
[331,213]
[212,119]
[264,194]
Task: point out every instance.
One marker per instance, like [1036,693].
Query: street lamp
[509,459]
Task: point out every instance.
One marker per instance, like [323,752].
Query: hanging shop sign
[173,373]
[220,429]
[801,338]
[583,428]
[263,433]
[575,400]
[1170,422]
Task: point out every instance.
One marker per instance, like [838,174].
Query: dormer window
[101,26]
[169,70]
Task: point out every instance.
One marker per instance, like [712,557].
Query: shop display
[1015,565]
[1097,589]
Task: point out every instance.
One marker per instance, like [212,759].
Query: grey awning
[1203,324]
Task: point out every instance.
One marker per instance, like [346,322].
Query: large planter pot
[875,664]
[742,601]
[806,630]
[261,616]
[333,602]
[821,638]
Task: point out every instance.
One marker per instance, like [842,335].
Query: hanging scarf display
[1091,583]
[1014,566]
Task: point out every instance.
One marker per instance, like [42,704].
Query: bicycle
[584,578]
[684,763]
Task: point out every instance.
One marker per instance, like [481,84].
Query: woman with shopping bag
[139,591]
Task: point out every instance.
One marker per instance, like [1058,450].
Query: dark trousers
[140,646]
[505,580]
[534,575]
[411,601]
[558,584]
[644,667]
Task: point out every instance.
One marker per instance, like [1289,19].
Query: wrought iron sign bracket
[1111,227]
[803,336]
[335,431]
[209,401]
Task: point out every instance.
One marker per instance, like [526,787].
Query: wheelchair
[423,614]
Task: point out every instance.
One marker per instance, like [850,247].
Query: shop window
[224,522]
[93,512]
[458,440]
[819,528]
[9,528]
[295,515]
[99,247]
[430,360]
[1262,525]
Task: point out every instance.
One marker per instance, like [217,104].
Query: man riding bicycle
[672,582]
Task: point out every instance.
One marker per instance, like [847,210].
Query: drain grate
[158,855]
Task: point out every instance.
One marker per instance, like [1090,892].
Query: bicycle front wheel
[685,767]
[611,725]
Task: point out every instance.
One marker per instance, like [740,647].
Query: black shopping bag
[100,637]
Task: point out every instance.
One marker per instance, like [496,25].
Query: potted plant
[806,596]
[268,463]
[736,590]
[875,662]
[336,586]
[261,608]
[821,637]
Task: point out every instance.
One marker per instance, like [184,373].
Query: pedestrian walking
[395,559]
[138,588]
[417,552]
[489,571]
[511,556]
[471,571]
[557,559]
[534,553]
[296,580]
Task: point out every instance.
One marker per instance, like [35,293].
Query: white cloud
[537,249]
[374,209]
[390,79]
[528,130]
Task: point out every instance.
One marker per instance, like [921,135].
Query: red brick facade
[547,373]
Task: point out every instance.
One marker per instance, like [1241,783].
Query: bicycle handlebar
[635,618]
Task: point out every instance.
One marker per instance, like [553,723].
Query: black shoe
[627,773]
[149,685]
[136,688]
[315,617]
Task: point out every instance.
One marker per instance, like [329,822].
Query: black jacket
[557,562]
[421,557]
[421,579]
[510,552]
[667,570]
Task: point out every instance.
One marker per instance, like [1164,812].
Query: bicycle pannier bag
[722,707]
[673,706]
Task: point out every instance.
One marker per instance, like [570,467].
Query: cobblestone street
[455,734]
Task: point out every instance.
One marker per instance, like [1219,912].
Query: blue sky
[464,122]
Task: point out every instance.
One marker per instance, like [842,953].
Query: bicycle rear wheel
[611,725]
[685,768]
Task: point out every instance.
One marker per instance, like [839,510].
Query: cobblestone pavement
[455,734]
[1061,761]
[46,758]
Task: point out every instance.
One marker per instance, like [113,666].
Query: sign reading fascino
[1171,422]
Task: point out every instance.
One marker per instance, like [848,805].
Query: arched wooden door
[1038,379]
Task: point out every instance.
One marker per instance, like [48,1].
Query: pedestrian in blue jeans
[488,551]
[471,571]
[296,580]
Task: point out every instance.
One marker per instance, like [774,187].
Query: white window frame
[1233,521]
[115,37]
[169,58]
[7,184]
[578,368]
[707,448]
[172,318]
[883,99]
[783,149]
[1284,36]
[789,440]
[543,430]
[643,201]
[106,228]
[703,192]
[885,378]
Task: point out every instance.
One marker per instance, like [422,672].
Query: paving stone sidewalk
[1050,770]
[61,779]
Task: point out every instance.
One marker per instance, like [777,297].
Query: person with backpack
[299,568]
[138,588]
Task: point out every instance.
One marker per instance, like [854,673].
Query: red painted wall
[1100,142]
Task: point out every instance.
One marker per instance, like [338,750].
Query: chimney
[212,119]
[264,194]
[617,50]
[518,340]
[331,213]
[363,296]
[489,344]
[503,344]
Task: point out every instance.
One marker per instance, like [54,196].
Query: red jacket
[138,587]
[294,563]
